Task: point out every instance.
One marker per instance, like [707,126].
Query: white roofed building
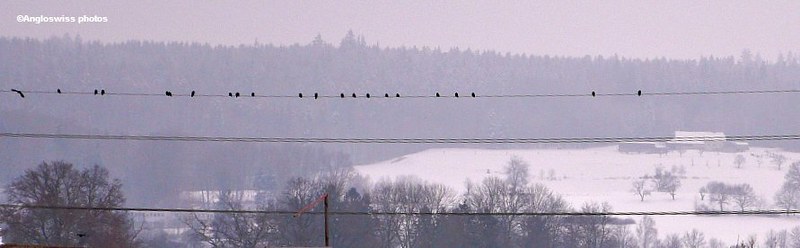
[705,141]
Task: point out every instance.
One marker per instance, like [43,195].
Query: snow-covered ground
[605,175]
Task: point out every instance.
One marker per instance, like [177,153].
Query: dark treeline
[353,65]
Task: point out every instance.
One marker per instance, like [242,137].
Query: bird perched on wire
[237,94]
[102,92]
[58,90]
[169,93]
[192,94]
[437,94]
[19,92]
[95,91]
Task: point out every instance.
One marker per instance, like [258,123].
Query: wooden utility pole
[324,199]
[327,242]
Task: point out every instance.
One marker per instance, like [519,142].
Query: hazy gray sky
[674,29]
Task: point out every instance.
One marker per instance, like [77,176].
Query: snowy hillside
[604,174]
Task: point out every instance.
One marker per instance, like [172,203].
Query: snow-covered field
[605,175]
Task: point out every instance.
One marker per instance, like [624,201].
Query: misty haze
[425,124]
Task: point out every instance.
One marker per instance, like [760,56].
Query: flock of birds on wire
[300,95]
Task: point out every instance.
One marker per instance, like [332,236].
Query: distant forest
[355,66]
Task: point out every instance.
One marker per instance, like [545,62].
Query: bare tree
[508,195]
[59,184]
[694,239]
[788,196]
[639,187]
[666,181]
[623,236]
[409,195]
[703,191]
[516,173]
[543,230]
[743,196]
[303,230]
[775,239]
[750,242]
[516,177]
[672,241]
[646,232]
[595,230]
[794,237]
[232,229]
[778,159]
[792,177]
[720,193]
[739,161]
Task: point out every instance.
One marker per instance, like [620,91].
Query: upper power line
[352,95]
[401,140]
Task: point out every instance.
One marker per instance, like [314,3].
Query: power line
[400,140]
[286,212]
[342,95]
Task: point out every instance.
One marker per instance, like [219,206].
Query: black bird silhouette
[386,95]
[316,95]
[58,90]
[19,92]
[397,95]
[341,95]
[301,95]
[437,94]
[252,94]
[102,92]
[230,94]
[95,91]
[169,93]
[639,92]
[456,94]
[367,95]
[237,94]
[354,95]
[192,93]
[473,94]
[593,94]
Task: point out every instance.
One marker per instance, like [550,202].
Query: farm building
[705,141]
[683,140]
[642,147]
